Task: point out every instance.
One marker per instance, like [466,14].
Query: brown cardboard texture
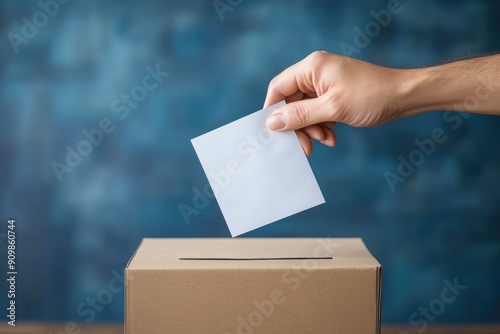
[251,286]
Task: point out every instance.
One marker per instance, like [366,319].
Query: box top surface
[252,253]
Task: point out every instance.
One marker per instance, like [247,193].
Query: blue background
[442,223]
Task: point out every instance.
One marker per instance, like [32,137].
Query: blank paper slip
[258,176]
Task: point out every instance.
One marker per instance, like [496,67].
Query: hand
[324,89]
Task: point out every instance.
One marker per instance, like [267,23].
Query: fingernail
[326,142]
[276,122]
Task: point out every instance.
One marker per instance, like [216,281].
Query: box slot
[254,258]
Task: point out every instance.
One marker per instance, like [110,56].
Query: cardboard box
[248,286]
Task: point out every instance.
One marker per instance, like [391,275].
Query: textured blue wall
[74,236]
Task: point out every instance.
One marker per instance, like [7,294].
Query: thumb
[299,114]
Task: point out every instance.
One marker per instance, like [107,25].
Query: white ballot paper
[257,175]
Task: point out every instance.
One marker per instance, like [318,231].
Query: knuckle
[272,83]
[317,56]
[300,115]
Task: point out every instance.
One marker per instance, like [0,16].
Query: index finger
[287,83]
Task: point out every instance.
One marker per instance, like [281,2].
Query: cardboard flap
[251,253]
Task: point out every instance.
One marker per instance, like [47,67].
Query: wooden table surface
[118,329]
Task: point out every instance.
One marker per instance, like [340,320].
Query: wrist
[422,90]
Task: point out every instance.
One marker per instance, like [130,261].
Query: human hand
[324,89]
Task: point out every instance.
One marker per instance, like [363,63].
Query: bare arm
[471,85]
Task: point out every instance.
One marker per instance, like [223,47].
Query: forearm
[471,85]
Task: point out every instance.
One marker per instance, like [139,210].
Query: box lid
[249,253]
